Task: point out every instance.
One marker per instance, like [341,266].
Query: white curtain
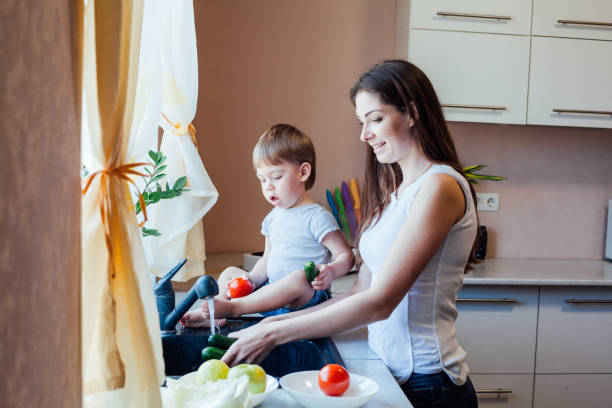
[179,220]
[122,96]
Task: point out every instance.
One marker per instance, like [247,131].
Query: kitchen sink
[182,351]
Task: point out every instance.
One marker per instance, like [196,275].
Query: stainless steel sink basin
[182,351]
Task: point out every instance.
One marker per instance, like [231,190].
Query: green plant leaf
[474,168]
[153,155]
[155,196]
[486,177]
[157,177]
[149,231]
[180,183]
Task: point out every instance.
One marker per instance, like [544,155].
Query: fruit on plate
[334,380]
[212,370]
[239,287]
[311,271]
[212,353]
[256,374]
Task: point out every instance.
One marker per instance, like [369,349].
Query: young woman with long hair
[415,241]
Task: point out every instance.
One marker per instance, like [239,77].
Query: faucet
[169,315]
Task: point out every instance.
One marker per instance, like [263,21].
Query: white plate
[303,387]
[254,399]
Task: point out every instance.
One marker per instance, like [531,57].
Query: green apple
[256,374]
[211,370]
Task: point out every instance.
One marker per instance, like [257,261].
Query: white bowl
[254,399]
[303,387]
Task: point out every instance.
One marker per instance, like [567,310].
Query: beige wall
[269,61]
[40,354]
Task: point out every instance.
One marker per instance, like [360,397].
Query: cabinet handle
[472,15]
[486,300]
[579,111]
[497,391]
[587,23]
[589,301]
[479,107]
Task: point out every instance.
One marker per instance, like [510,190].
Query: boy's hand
[324,278]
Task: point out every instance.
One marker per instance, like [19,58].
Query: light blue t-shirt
[295,236]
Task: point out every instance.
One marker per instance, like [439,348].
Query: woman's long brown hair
[403,85]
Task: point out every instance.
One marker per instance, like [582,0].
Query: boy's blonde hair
[284,142]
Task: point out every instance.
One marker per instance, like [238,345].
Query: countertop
[525,272]
[541,272]
[359,359]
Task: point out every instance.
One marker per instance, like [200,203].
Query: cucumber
[311,271]
[220,341]
[212,353]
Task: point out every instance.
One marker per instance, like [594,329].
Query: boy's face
[283,185]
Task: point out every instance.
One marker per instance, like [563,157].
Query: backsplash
[553,204]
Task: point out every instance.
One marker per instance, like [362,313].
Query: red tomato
[239,287]
[334,379]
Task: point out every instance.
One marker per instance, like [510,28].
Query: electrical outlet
[487,201]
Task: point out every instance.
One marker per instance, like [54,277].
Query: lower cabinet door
[497,328]
[572,390]
[503,390]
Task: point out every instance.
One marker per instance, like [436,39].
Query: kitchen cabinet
[495,315]
[503,390]
[497,327]
[572,390]
[575,331]
[570,82]
[493,72]
[549,344]
[542,62]
[590,19]
[484,16]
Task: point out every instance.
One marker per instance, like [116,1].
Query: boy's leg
[196,318]
[292,291]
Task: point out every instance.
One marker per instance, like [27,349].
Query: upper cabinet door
[573,18]
[484,16]
[570,82]
[478,77]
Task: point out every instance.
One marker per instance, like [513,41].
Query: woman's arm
[343,260]
[437,207]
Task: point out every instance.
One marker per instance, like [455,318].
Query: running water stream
[211,312]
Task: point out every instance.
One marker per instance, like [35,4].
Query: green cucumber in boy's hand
[311,271]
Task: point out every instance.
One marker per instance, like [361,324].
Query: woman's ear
[414,113]
[305,170]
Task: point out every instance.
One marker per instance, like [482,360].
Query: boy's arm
[343,260]
[259,274]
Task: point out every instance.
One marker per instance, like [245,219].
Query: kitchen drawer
[497,328]
[573,75]
[473,15]
[572,390]
[515,390]
[477,72]
[547,13]
[574,337]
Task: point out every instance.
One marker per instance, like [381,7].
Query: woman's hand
[253,345]
[325,277]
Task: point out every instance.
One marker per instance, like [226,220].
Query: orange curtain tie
[123,172]
[180,130]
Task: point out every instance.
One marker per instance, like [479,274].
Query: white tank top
[419,335]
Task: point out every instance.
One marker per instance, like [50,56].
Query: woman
[415,241]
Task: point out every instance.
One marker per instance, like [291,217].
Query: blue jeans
[438,391]
[319,296]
